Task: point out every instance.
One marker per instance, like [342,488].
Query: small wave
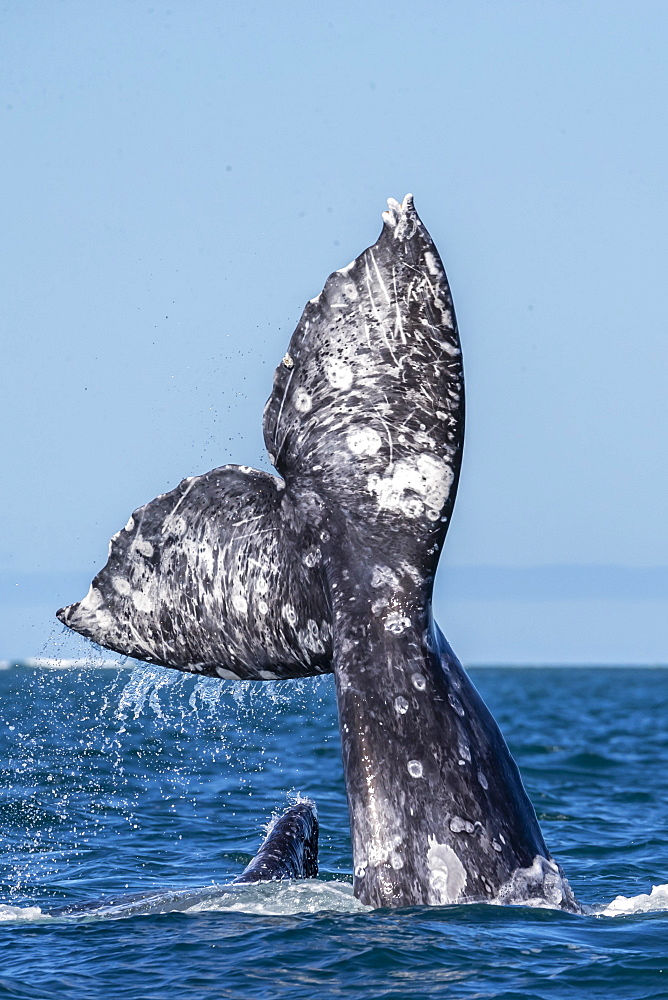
[284,899]
[278,899]
[645,902]
[261,899]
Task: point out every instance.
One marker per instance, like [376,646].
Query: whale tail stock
[228,574]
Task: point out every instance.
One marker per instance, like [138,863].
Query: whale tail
[329,565]
[290,848]
[229,573]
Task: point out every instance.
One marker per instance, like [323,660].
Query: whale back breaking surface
[290,848]
[288,851]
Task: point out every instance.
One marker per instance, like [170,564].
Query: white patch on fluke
[239,603]
[432,266]
[121,585]
[363,440]
[142,601]
[92,601]
[175,524]
[428,478]
[302,401]
[397,623]
[312,557]
[339,374]
[456,704]
[459,825]
[228,675]
[290,614]
[447,876]
[382,576]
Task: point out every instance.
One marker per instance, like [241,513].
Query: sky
[180,178]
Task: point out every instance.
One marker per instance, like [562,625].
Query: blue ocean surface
[149,789]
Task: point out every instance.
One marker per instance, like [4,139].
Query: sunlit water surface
[147,790]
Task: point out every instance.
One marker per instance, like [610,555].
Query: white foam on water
[624,906]
[21,913]
[284,899]
[263,899]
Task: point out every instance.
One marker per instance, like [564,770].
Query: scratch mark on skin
[374,308]
[366,331]
[183,496]
[247,520]
[398,325]
[389,439]
[280,414]
[383,287]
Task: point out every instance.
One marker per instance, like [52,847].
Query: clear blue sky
[179,178]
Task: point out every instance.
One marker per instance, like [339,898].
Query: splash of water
[143,689]
[624,906]
[288,898]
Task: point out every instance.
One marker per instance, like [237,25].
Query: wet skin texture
[239,574]
[290,849]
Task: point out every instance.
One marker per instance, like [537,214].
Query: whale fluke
[209,578]
[224,575]
[367,407]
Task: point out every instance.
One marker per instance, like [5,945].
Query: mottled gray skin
[243,575]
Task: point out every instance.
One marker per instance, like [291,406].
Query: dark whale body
[241,574]
[288,851]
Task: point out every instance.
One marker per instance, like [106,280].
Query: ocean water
[149,789]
